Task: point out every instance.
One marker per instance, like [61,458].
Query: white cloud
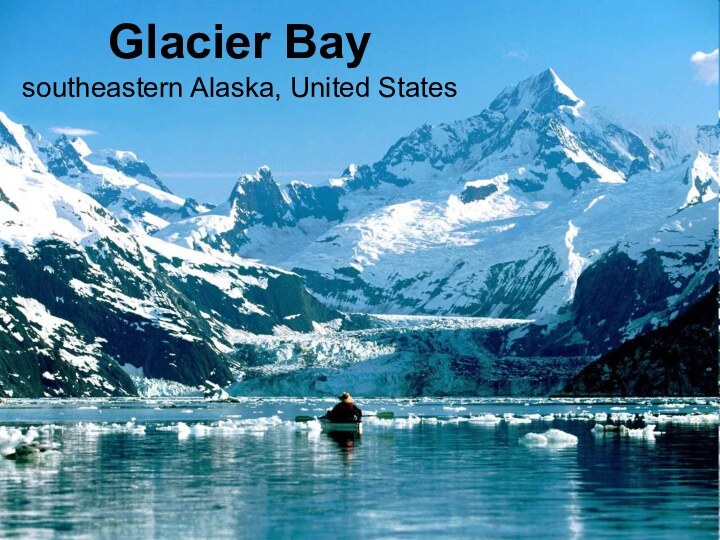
[706,66]
[517,54]
[73,132]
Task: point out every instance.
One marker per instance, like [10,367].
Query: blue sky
[631,57]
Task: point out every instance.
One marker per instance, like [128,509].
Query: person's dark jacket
[345,413]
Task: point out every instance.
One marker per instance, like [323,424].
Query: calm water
[260,478]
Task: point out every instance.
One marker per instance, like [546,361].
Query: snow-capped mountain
[118,180]
[565,231]
[259,205]
[82,295]
[506,214]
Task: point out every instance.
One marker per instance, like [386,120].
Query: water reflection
[399,480]
[346,443]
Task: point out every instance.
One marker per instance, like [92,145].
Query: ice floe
[232,426]
[410,421]
[512,420]
[693,419]
[485,419]
[16,445]
[647,432]
[93,428]
[552,437]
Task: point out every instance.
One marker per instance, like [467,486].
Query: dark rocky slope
[680,359]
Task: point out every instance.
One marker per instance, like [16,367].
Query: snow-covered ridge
[81,292]
[116,179]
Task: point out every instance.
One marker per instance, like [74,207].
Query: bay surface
[444,468]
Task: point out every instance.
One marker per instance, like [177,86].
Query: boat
[347,427]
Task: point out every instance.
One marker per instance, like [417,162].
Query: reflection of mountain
[539,208]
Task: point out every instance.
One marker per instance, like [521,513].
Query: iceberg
[552,437]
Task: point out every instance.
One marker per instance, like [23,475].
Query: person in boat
[346,411]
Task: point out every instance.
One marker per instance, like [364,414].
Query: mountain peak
[64,156]
[262,175]
[80,146]
[72,147]
[543,93]
[259,194]
[121,156]
[127,163]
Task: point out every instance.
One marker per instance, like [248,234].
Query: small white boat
[349,427]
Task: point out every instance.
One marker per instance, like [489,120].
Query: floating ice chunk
[103,428]
[513,420]
[533,439]
[183,430]
[11,438]
[14,444]
[454,420]
[485,419]
[583,416]
[558,437]
[312,426]
[552,437]
[411,421]
[693,419]
[648,432]
[199,430]
[234,427]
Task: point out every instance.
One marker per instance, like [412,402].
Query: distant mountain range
[541,209]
